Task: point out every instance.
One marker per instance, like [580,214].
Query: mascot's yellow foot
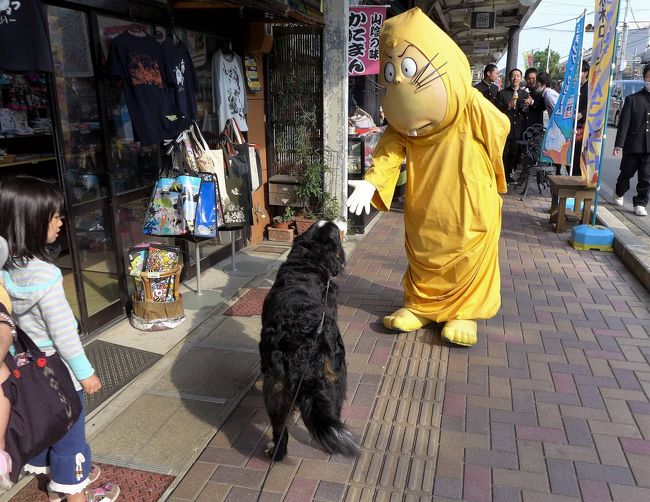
[405,320]
[460,332]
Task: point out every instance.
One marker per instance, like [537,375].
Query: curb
[633,250]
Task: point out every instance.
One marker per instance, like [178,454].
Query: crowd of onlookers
[525,106]
[524,101]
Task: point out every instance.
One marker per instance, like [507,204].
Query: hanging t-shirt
[229,89]
[181,76]
[24,45]
[138,61]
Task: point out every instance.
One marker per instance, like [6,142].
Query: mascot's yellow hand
[361,197]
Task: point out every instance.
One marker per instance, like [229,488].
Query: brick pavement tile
[237,476]
[329,492]
[521,480]
[540,434]
[609,429]
[301,489]
[513,417]
[454,405]
[505,494]
[594,491]
[640,468]
[213,492]
[562,477]
[581,412]
[490,458]
[224,456]
[577,431]
[477,420]
[629,493]
[450,461]
[609,473]
[326,471]
[476,483]
[194,481]
[572,453]
[590,396]
[240,494]
[499,387]
[639,446]
[531,456]
[642,408]
[532,496]
[503,437]
[619,412]
[447,487]
[548,415]
[280,476]
[643,422]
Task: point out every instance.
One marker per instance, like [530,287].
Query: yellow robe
[452,213]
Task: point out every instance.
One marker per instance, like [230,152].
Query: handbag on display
[165,215]
[236,179]
[44,402]
[233,133]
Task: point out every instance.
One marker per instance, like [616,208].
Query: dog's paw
[270,449]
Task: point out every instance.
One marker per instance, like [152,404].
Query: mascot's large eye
[389,72]
[409,67]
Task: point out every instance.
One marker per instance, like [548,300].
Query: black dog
[301,347]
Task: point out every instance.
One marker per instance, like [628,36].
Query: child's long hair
[27,205]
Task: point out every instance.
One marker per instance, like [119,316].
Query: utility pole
[548,55]
[621,58]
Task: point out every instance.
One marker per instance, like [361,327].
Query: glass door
[92,263]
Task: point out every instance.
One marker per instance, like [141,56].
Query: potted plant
[285,219]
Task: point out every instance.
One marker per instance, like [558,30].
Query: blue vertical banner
[558,141]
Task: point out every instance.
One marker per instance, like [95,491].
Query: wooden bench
[563,187]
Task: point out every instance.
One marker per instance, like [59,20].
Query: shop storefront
[73,126]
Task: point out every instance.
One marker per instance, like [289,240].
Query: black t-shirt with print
[181,76]
[138,61]
[24,45]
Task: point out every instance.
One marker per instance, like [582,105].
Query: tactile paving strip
[249,304]
[116,365]
[135,485]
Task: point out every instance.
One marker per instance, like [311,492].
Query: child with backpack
[32,218]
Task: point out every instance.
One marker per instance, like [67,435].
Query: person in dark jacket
[512,101]
[536,107]
[633,141]
[487,86]
[582,116]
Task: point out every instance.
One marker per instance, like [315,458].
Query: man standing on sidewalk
[487,86]
[633,141]
[513,101]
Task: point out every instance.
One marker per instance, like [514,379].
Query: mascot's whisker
[419,73]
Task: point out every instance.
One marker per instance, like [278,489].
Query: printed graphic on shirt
[179,70]
[144,70]
[7,8]
[234,90]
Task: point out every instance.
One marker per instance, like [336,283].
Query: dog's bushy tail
[326,428]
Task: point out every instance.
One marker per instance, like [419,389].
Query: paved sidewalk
[551,405]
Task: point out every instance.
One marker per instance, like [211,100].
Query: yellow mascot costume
[452,139]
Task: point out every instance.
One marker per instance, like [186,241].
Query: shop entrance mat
[270,249]
[116,365]
[135,485]
[249,304]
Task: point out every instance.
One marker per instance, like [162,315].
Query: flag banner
[528,59]
[365,23]
[557,145]
[606,18]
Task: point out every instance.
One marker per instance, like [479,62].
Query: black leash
[319,330]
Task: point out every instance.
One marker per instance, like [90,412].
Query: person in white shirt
[550,95]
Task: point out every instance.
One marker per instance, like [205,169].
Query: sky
[536,33]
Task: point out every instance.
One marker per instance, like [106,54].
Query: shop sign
[483,20]
[365,23]
[482,47]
